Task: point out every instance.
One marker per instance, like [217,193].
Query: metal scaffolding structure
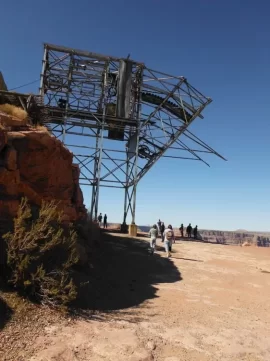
[118,117]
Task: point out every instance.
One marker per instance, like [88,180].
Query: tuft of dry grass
[14,111]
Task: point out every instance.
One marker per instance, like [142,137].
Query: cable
[21,86]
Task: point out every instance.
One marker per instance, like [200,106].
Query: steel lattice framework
[118,117]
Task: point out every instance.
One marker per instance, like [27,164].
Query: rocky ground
[208,302]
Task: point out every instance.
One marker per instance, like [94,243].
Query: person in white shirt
[153,234]
[169,238]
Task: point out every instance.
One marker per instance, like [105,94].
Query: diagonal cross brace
[157,156]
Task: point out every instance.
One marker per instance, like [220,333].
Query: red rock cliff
[35,164]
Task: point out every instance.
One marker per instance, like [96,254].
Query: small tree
[41,253]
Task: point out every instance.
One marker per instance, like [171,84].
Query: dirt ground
[208,302]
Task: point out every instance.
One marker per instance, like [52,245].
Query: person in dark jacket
[105,221]
[181,229]
[195,232]
[100,219]
[162,229]
[189,230]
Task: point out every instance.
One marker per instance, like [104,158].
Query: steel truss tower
[118,117]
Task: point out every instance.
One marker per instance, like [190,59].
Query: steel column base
[132,230]
[124,228]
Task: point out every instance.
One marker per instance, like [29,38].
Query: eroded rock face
[36,165]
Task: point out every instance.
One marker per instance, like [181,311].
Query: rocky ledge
[36,165]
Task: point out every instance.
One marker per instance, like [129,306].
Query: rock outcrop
[36,165]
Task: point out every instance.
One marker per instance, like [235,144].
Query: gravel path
[208,302]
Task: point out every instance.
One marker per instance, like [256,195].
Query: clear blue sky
[222,47]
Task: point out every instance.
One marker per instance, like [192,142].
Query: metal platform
[118,116]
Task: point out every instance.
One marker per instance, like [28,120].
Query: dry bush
[14,111]
[41,254]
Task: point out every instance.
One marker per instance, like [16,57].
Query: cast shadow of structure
[124,275]
[5,313]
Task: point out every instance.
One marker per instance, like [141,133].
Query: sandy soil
[208,302]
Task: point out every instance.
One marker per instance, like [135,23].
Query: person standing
[168,240]
[105,221]
[153,233]
[100,219]
[162,229]
[159,224]
[195,232]
[181,229]
[189,230]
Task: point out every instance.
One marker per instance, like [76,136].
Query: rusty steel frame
[79,86]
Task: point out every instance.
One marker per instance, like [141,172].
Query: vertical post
[94,186]
[44,63]
[130,191]
[99,150]
[126,194]
[70,71]
[133,212]
[138,128]
[126,202]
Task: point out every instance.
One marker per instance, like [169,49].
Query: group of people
[100,217]
[189,230]
[167,235]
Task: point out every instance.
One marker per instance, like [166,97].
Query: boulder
[36,165]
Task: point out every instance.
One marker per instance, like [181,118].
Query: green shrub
[41,253]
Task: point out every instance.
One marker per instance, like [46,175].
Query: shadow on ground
[188,259]
[5,313]
[123,275]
